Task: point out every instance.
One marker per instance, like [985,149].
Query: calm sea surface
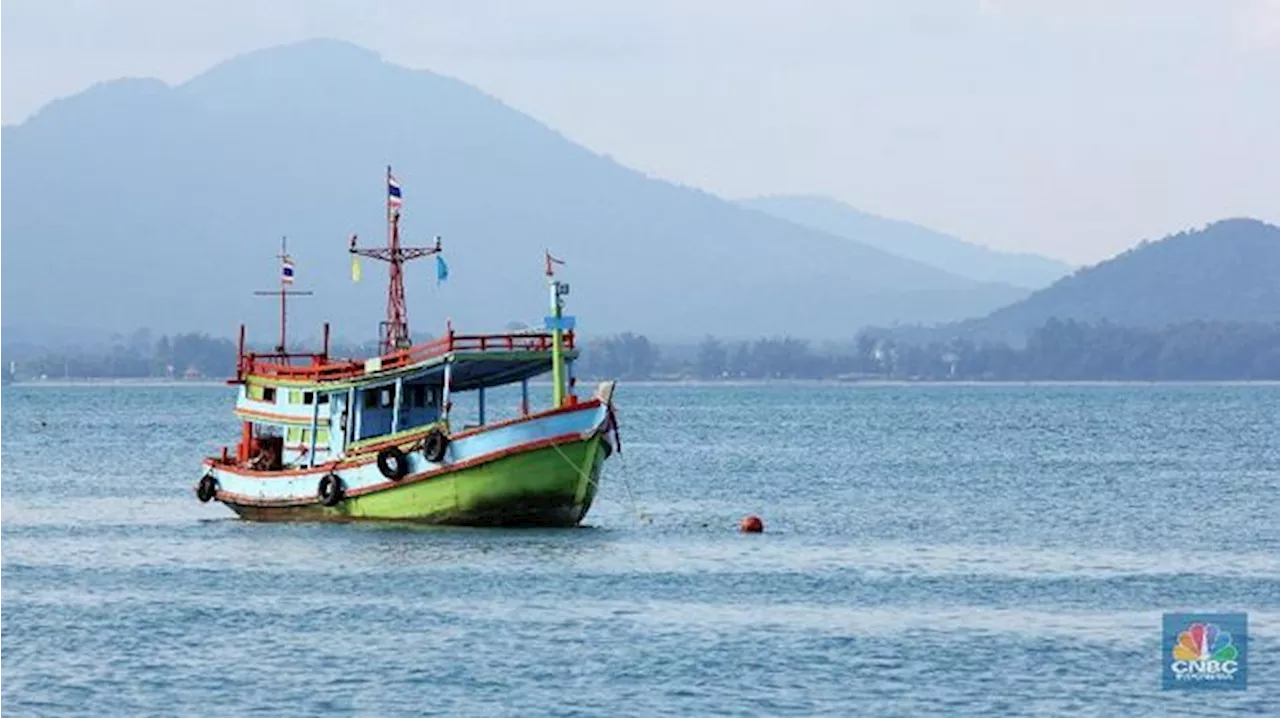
[929,549]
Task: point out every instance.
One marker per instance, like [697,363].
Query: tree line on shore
[192,355]
[1057,350]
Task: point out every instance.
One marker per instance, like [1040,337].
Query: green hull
[549,486]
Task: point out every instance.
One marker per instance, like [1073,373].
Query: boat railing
[318,367]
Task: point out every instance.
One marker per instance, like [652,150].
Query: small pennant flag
[550,261]
[393,191]
[286,270]
[442,269]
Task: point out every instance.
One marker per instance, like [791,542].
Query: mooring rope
[640,515]
[626,485]
[617,438]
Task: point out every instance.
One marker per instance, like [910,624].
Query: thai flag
[286,271]
[393,191]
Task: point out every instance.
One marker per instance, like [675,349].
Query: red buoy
[751,525]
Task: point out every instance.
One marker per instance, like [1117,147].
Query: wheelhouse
[298,411]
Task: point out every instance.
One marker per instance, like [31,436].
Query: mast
[393,332]
[558,324]
[286,279]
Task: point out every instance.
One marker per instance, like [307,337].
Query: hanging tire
[207,488]
[393,463]
[330,490]
[434,445]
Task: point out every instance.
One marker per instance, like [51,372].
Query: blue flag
[442,269]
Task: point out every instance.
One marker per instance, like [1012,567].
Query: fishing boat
[377,438]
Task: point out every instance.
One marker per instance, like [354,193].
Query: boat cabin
[299,411]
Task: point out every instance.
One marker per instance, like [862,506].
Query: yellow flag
[355,269]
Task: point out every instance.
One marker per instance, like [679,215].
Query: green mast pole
[557,323]
[557,346]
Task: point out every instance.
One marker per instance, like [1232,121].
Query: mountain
[136,203]
[1226,271]
[913,241]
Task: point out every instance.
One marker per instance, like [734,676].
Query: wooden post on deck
[240,369]
[315,424]
[395,405]
[353,413]
[445,392]
[246,438]
[346,425]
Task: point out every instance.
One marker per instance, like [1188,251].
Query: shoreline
[114,381]
[944,382]
[176,383]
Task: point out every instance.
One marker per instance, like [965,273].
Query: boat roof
[478,360]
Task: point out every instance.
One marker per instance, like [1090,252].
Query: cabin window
[423,396]
[261,393]
[322,436]
[379,398]
[306,398]
[299,435]
[324,399]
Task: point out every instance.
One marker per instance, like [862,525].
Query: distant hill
[139,204]
[913,241]
[1228,271]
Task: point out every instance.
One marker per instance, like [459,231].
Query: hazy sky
[1070,128]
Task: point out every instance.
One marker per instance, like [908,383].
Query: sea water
[961,550]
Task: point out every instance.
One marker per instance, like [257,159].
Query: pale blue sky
[1070,128]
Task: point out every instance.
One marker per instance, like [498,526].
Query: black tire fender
[434,446]
[393,463]
[207,488]
[331,490]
